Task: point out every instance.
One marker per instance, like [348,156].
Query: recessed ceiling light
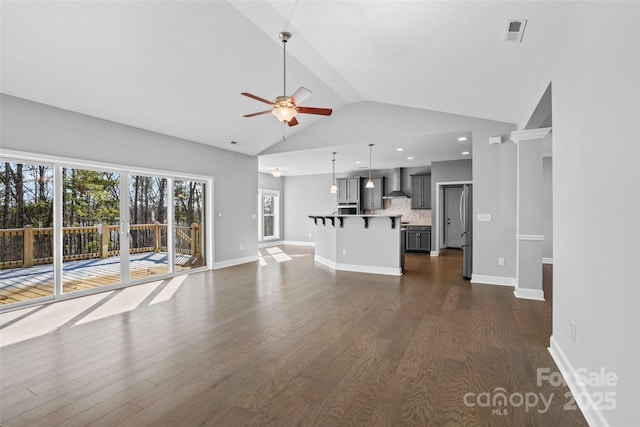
[399,149]
[462,138]
[465,153]
[409,158]
[233,142]
[358,162]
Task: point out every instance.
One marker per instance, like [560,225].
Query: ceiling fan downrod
[284,36]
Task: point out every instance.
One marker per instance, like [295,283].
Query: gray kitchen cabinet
[371,198]
[348,190]
[418,239]
[421,191]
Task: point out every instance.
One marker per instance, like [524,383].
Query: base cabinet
[418,239]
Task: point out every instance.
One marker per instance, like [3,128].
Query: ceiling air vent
[515,29]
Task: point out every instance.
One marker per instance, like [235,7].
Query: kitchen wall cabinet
[418,239]
[421,192]
[371,198]
[348,190]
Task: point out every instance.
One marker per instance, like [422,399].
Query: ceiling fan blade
[312,110]
[300,95]
[292,122]
[257,114]
[257,98]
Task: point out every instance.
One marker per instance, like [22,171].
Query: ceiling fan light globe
[370,184]
[284,113]
[334,189]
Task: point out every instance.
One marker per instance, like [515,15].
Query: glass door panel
[189,217]
[148,227]
[90,229]
[26,232]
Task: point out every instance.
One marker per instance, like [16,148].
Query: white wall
[595,71]
[306,195]
[494,192]
[37,128]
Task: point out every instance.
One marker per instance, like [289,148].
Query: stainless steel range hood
[396,185]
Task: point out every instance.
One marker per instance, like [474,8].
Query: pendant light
[334,187]
[370,182]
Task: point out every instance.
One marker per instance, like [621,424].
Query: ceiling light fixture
[334,187]
[276,172]
[462,138]
[399,149]
[409,158]
[283,108]
[370,182]
[465,153]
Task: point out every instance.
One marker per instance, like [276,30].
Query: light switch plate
[484,217]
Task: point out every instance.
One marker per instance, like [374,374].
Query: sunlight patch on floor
[169,290]
[281,257]
[36,321]
[275,253]
[126,300]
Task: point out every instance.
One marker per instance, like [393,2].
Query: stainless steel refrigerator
[466,216]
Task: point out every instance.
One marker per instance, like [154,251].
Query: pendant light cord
[334,167]
[370,145]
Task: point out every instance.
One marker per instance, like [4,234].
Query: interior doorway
[454,204]
[453,228]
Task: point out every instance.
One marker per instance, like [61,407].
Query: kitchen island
[362,243]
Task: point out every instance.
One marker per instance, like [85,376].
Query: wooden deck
[24,284]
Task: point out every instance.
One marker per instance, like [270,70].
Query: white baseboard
[547,260]
[325,261]
[371,269]
[295,243]
[493,280]
[524,293]
[390,271]
[584,399]
[235,261]
[434,253]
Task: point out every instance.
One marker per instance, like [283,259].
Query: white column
[529,235]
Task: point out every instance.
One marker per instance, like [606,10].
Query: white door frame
[435,251]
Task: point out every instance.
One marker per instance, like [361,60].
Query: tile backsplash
[402,206]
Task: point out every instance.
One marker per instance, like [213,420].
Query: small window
[270,215]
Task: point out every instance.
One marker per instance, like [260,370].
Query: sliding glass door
[91,233]
[148,245]
[189,211]
[66,229]
[26,232]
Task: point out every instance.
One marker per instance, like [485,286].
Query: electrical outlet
[500,261]
[344,252]
[309,235]
[573,331]
[242,247]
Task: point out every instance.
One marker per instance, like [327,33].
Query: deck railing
[29,246]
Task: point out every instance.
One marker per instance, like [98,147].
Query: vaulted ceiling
[179,67]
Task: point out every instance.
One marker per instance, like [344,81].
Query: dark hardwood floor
[293,343]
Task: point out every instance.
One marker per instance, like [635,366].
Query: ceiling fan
[285,108]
